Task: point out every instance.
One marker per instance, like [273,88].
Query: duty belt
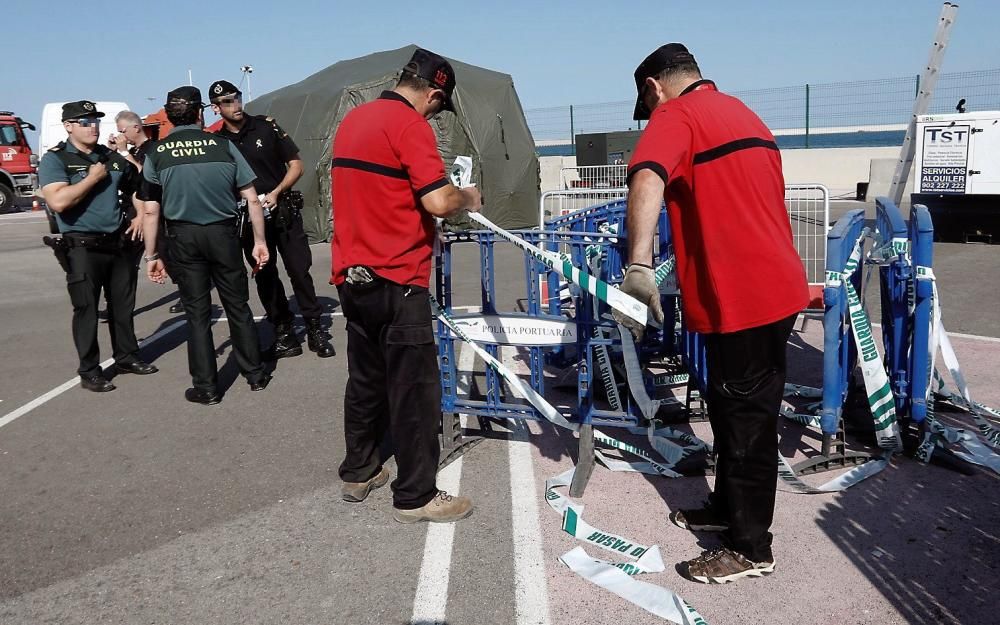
[104,241]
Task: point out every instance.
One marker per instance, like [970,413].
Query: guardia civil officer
[388,185]
[742,284]
[86,186]
[195,175]
[274,158]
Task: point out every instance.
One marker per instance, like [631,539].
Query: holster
[61,250]
[288,209]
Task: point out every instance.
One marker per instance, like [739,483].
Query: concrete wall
[839,169]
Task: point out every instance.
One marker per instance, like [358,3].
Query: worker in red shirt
[716,165]
[389,184]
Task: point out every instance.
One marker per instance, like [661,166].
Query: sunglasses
[86,122]
[228,101]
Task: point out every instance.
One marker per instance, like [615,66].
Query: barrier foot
[944,458]
[584,462]
[833,457]
[454,442]
[695,404]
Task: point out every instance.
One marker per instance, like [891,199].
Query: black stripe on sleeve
[374,168]
[660,170]
[733,146]
[434,186]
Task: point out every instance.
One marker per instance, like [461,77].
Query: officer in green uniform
[85,186]
[195,176]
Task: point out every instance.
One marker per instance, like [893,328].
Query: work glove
[640,283]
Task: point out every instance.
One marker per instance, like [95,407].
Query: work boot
[444,508]
[286,344]
[356,492]
[318,339]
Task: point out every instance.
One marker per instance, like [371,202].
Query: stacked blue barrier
[921,231]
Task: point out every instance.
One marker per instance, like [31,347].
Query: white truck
[51,130]
[957,174]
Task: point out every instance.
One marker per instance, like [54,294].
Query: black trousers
[115,272]
[203,256]
[292,244]
[393,385]
[746,381]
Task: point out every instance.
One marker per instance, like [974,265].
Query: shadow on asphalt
[926,538]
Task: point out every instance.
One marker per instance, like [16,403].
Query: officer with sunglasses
[85,185]
[275,161]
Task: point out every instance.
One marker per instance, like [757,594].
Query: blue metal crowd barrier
[921,231]
[894,287]
[839,352]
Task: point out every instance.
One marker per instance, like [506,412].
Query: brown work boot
[724,565]
[444,508]
[357,491]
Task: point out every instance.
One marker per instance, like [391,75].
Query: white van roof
[51,131]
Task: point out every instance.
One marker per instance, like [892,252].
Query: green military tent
[488,125]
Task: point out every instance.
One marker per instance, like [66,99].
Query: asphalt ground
[138,507]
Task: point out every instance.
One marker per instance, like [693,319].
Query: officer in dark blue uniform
[85,185]
[196,175]
[274,158]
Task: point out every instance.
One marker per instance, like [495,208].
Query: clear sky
[559,52]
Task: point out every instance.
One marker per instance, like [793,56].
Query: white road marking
[973,337]
[431,600]
[65,386]
[62,388]
[531,597]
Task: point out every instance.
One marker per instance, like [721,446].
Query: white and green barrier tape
[616,578]
[607,293]
[936,434]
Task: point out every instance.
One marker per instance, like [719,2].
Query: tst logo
[943,135]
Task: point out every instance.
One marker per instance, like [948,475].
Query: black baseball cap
[664,57]
[79,109]
[436,70]
[221,89]
[185,95]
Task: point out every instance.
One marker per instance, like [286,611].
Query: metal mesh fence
[880,107]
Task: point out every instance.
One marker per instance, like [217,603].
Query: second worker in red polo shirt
[389,184]
[742,284]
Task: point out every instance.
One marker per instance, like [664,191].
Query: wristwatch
[148,259]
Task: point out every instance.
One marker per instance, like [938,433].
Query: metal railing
[808,208]
[841,114]
[558,203]
[809,213]
[593,177]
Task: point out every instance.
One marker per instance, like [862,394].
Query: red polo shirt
[385,159]
[737,267]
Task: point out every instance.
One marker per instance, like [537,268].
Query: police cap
[221,89]
[80,109]
[190,96]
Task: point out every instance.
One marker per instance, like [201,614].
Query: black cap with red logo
[436,70]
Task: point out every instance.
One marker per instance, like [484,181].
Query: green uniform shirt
[198,174]
[99,211]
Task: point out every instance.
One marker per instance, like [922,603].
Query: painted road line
[62,388]
[972,337]
[431,600]
[531,597]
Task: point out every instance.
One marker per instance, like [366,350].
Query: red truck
[18,165]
